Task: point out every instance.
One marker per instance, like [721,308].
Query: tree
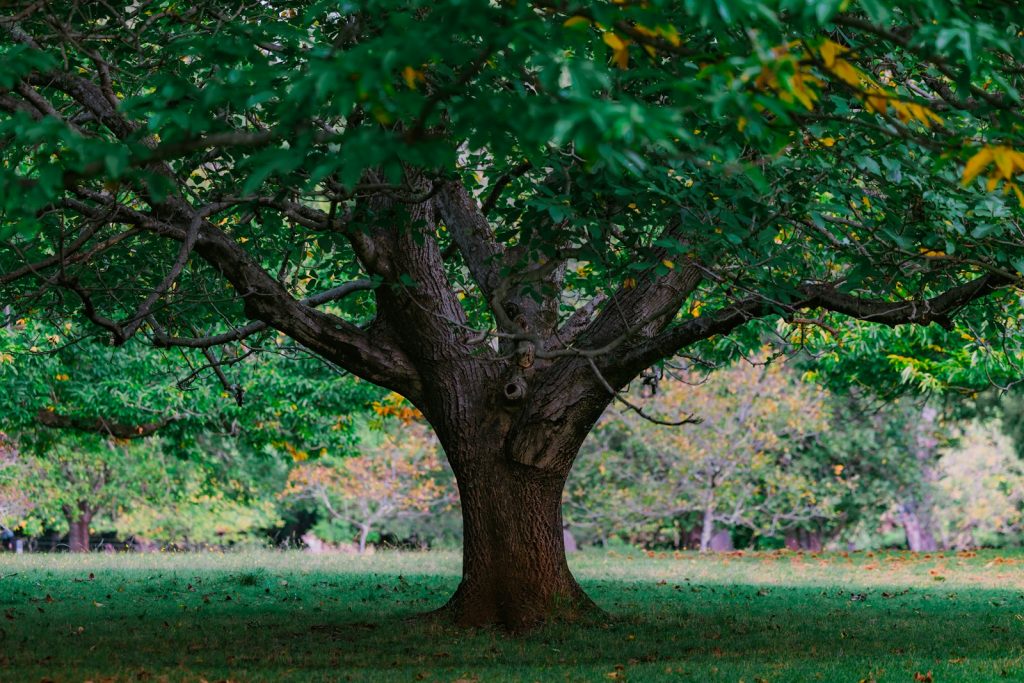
[394,478]
[510,217]
[79,477]
[76,406]
[14,500]
[981,482]
[736,466]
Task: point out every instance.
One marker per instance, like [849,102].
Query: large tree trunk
[514,569]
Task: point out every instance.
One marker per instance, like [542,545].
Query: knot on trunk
[515,389]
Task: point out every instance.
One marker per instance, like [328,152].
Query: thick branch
[101,425]
[472,233]
[267,301]
[162,339]
[938,309]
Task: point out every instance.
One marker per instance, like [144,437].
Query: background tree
[396,477]
[75,405]
[981,484]
[14,499]
[79,477]
[574,180]
[735,466]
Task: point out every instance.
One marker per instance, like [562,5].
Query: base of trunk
[518,607]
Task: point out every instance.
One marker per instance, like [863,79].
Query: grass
[298,617]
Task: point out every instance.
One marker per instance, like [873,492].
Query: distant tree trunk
[569,540]
[803,539]
[915,512]
[920,538]
[364,531]
[707,529]
[78,528]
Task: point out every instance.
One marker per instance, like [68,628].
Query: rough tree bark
[514,563]
[511,463]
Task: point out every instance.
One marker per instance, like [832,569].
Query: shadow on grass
[328,627]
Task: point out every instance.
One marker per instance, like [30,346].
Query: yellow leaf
[670,34]
[628,283]
[1016,191]
[576,21]
[877,103]
[612,40]
[412,77]
[741,123]
[668,264]
[933,116]
[799,85]
[829,50]
[846,72]
[1004,162]
[976,164]
[828,142]
[1018,160]
[620,48]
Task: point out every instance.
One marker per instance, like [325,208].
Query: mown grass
[298,617]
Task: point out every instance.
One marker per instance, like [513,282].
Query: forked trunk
[514,569]
[511,453]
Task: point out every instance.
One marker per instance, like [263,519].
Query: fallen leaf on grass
[923,678]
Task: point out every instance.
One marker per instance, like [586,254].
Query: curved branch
[163,340]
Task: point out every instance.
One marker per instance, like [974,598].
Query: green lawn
[297,617]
